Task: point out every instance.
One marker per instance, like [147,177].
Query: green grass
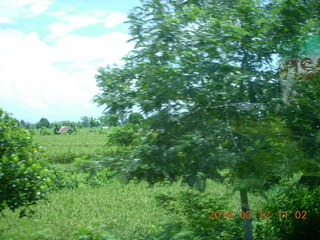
[128,211]
[102,207]
[125,210]
[65,148]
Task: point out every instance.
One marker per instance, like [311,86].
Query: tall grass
[65,148]
[128,211]
[124,211]
[106,207]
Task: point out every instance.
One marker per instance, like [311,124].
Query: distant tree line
[108,120]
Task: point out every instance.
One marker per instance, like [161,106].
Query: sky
[50,51]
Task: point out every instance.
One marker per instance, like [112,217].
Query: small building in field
[64,129]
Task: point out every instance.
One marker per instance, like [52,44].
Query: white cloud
[98,13]
[78,21]
[22,2]
[39,6]
[57,14]
[67,23]
[4,19]
[10,9]
[58,29]
[32,83]
[55,81]
[114,19]
[111,46]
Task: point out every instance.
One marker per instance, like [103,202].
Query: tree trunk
[247,223]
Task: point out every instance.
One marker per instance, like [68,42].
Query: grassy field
[112,211]
[105,207]
[128,211]
[65,148]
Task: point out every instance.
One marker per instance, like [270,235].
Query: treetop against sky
[51,50]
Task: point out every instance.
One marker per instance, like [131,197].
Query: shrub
[194,208]
[23,179]
[45,131]
[302,220]
[82,171]
[56,128]
[66,179]
[123,135]
[95,232]
[135,118]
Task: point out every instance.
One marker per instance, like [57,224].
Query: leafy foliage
[123,135]
[45,131]
[201,74]
[43,123]
[66,179]
[302,218]
[23,177]
[110,120]
[83,171]
[135,118]
[194,210]
[94,232]
[56,128]
[292,21]
[302,118]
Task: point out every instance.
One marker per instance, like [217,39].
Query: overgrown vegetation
[213,131]
[93,208]
[296,214]
[24,178]
[202,72]
[66,148]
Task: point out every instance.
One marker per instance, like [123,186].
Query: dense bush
[303,215]
[23,178]
[82,171]
[66,179]
[45,131]
[194,209]
[123,135]
[135,118]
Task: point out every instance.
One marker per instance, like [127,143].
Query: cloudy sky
[50,51]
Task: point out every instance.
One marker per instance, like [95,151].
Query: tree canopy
[43,123]
[23,177]
[201,71]
[203,74]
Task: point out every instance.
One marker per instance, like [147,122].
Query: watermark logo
[308,67]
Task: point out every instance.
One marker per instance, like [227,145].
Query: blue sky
[50,51]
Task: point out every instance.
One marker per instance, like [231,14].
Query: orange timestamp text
[256,215]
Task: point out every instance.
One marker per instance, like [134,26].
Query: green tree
[111,120]
[56,127]
[45,131]
[93,122]
[23,177]
[302,118]
[295,30]
[135,118]
[85,121]
[43,123]
[22,123]
[201,72]
[292,21]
